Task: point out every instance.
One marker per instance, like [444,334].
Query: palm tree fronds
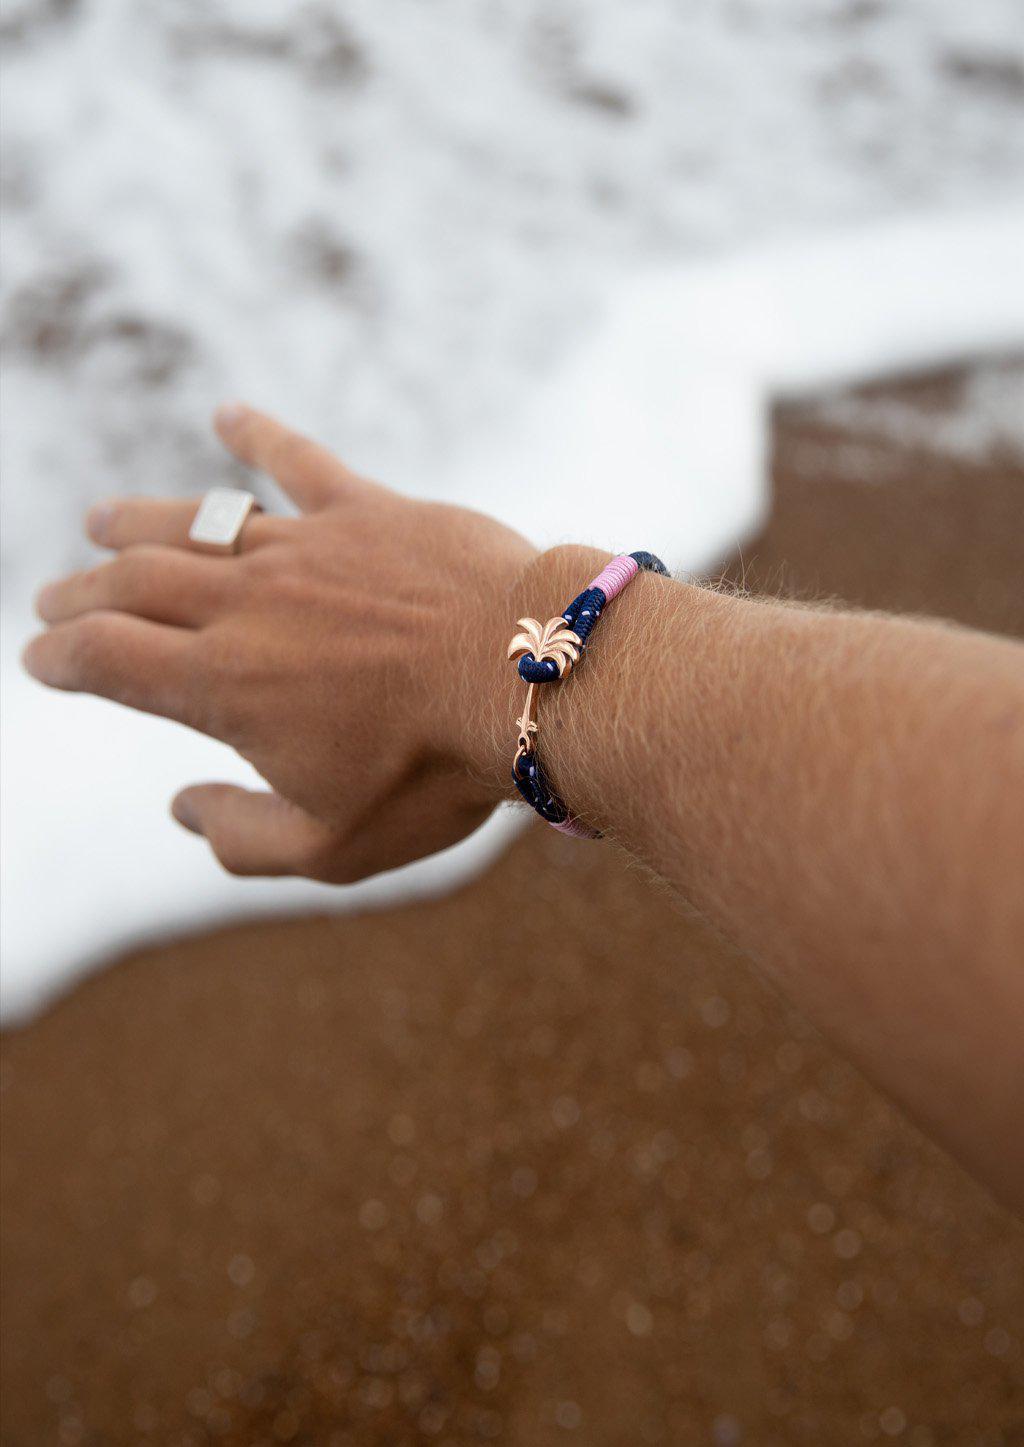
[554,642]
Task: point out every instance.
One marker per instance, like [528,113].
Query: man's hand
[353,655]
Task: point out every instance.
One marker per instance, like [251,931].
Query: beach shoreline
[458,1171]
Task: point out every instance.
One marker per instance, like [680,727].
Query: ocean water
[388,221]
[484,250]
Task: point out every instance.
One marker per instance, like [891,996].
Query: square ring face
[218,521]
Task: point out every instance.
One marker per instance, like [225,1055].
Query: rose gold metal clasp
[527,725]
[555,642]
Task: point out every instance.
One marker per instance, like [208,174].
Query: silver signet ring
[220,518]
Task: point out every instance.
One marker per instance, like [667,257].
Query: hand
[354,655]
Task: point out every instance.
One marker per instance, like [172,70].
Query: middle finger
[162,584]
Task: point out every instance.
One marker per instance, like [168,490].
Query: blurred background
[402,1175]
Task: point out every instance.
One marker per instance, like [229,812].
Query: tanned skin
[841,794]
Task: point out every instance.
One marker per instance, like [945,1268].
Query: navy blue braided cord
[581,616]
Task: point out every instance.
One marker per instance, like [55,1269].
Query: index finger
[310,475]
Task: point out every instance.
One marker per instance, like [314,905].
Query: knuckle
[291,450]
[279,573]
[226,710]
[222,715]
[91,640]
[261,563]
[129,572]
[233,861]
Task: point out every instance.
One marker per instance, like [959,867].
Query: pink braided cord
[575,829]
[614,576]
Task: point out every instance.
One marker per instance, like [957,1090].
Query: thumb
[254,831]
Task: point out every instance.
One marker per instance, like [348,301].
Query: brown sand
[538,1163]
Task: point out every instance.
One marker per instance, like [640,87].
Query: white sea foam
[552,267]
[673,387]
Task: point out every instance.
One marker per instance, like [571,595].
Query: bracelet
[548,653]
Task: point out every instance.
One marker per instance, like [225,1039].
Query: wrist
[575,773]
[493,698]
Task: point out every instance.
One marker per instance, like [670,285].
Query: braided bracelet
[548,653]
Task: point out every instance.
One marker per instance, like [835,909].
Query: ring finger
[121,522]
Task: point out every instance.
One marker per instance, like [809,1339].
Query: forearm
[841,795]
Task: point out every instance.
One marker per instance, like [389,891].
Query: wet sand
[542,1162]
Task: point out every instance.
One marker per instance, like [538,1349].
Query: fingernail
[184,811]
[98,520]
[229,415]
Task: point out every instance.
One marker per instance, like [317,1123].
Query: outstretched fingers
[310,475]
[255,832]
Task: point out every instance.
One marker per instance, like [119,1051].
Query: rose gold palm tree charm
[555,642]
